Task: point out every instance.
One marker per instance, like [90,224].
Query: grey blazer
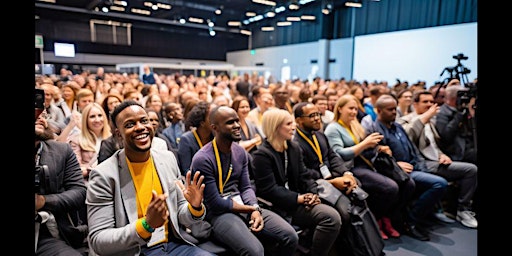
[415,129]
[112,204]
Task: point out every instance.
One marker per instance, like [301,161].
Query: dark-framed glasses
[313,115]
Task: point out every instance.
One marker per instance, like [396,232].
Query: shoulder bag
[387,166]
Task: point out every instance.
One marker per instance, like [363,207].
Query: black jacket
[329,157]
[62,184]
[270,178]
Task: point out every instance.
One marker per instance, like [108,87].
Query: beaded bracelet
[146,226]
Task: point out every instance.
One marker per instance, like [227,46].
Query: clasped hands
[310,200]
[344,183]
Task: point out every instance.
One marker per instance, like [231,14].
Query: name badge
[236,197]
[157,236]
[324,170]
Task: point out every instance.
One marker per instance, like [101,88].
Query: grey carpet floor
[445,240]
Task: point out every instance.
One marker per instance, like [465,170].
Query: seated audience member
[84,97]
[159,141]
[457,127]
[155,102]
[358,92]
[369,106]
[175,127]
[54,114]
[321,103]
[404,98]
[110,101]
[220,100]
[69,92]
[420,128]
[281,95]
[326,167]
[348,140]
[57,203]
[86,144]
[233,211]
[281,178]
[430,188]
[250,136]
[59,101]
[114,142]
[194,139]
[136,202]
[264,101]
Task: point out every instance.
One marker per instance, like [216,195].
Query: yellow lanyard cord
[354,138]
[316,146]
[356,141]
[197,138]
[219,167]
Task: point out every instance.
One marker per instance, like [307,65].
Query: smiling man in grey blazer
[136,203]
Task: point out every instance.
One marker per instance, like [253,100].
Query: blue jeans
[431,189]
[173,248]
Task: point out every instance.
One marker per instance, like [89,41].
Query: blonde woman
[86,143]
[347,138]
[281,178]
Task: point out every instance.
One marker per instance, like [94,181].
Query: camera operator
[456,124]
[59,195]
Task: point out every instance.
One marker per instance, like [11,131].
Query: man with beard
[136,202]
[328,169]
[59,195]
[233,210]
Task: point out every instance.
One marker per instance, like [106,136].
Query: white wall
[420,54]
[297,56]
[412,55]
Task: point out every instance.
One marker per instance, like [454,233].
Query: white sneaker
[467,218]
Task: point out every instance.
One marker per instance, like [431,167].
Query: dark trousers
[233,231]
[324,221]
[48,245]
[384,193]
[465,174]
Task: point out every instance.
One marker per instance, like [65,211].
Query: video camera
[39,172]
[464,96]
[460,56]
[39,102]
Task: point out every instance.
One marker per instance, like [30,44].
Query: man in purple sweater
[232,207]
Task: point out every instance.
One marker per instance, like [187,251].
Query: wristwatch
[257,207]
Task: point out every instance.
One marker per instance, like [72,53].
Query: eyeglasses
[313,115]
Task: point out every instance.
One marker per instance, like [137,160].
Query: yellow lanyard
[288,106]
[219,167]
[197,138]
[356,141]
[316,146]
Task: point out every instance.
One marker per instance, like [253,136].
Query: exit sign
[39,41]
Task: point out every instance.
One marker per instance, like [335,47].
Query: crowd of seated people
[357,119]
